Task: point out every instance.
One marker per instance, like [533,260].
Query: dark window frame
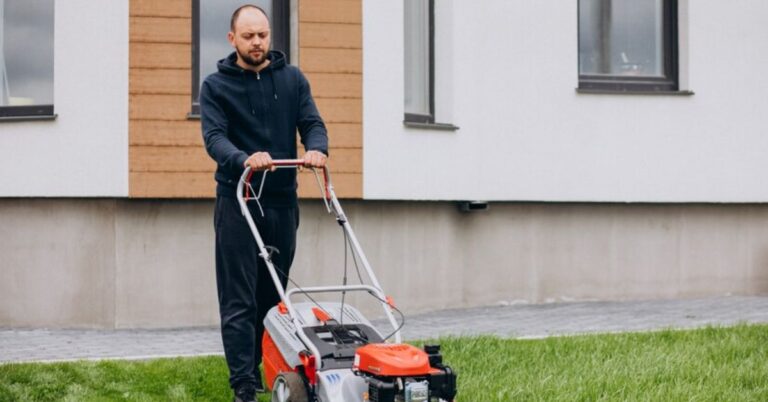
[30,112]
[670,82]
[27,111]
[430,118]
[281,39]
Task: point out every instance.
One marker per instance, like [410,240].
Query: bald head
[252,8]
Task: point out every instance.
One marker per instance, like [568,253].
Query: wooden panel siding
[187,133]
[328,60]
[158,81]
[331,35]
[201,185]
[177,158]
[167,158]
[173,185]
[339,11]
[346,135]
[164,8]
[165,133]
[160,30]
[166,107]
[193,158]
[160,55]
[340,110]
[326,85]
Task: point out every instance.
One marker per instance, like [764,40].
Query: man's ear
[231,38]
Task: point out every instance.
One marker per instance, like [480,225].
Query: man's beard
[246,57]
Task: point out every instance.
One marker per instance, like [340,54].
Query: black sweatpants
[246,290]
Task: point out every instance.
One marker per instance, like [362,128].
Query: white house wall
[84,152]
[506,73]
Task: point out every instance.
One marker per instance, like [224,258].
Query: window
[628,45]
[419,61]
[26,58]
[210,25]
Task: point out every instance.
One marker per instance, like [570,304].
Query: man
[250,111]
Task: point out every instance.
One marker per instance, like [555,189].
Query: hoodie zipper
[274,94]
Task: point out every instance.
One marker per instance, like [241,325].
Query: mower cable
[360,277]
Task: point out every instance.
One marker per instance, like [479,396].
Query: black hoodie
[243,112]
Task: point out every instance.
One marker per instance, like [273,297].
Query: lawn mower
[328,351]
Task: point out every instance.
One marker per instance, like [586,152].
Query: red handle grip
[288,162]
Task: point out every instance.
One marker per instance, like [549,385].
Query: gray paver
[521,321]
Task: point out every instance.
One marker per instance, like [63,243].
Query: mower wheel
[289,387]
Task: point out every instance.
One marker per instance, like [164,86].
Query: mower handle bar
[294,163]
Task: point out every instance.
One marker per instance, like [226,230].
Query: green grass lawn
[711,364]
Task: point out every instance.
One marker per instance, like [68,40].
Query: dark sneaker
[246,393]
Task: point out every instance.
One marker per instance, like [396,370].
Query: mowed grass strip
[710,364]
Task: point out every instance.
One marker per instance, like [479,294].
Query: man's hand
[315,159]
[260,161]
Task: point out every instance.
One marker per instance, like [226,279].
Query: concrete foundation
[75,263]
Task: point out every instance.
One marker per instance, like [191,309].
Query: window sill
[633,92]
[28,118]
[193,116]
[431,126]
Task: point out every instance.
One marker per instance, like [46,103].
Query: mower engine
[404,373]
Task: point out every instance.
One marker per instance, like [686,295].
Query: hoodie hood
[228,65]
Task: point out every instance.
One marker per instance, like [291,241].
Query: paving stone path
[518,321]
